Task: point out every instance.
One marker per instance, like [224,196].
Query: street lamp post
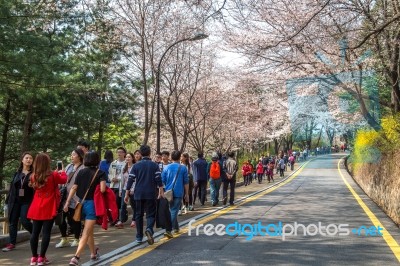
[197,36]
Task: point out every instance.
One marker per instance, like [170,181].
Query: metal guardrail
[4,219]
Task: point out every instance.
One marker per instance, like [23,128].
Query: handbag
[77,212]
[78,207]
[169,194]
[64,193]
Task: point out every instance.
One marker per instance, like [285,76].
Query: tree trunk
[147,124]
[101,126]
[395,95]
[331,134]
[4,135]
[27,127]
[319,137]
[276,146]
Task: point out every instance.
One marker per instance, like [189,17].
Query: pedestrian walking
[72,171]
[260,171]
[246,172]
[214,172]
[200,178]
[175,176]
[84,188]
[230,168]
[18,200]
[147,177]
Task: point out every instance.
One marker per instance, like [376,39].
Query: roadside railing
[4,212]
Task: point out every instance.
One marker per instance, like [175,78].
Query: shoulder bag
[78,207]
[169,194]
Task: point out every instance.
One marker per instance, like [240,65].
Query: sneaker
[184,210]
[33,261]
[74,261]
[150,238]
[139,241]
[179,213]
[133,224]
[97,256]
[63,243]
[191,208]
[42,261]
[231,203]
[176,231]
[168,234]
[119,225]
[8,247]
[74,243]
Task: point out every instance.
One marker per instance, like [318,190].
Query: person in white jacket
[115,176]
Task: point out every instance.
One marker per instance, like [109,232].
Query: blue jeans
[215,185]
[19,211]
[123,212]
[174,207]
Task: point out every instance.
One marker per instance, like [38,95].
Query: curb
[107,258]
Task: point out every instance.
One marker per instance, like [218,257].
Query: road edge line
[207,217]
[390,241]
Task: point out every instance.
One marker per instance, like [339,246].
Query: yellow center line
[390,241]
[138,253]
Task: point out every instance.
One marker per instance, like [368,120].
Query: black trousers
[75,226]
[142,206]
[200,190]
[43,226]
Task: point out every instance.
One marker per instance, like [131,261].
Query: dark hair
[175,155]
[21,165]
[187,161]
[84,143]
[133,162]
[231,154]
[92,159]
[157,153]
[165,153]
[137,151]
[80,153]
[145,150]
[41,170]
[122,148]
[108,156]
[200,154]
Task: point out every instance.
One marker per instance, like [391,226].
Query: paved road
[317,193]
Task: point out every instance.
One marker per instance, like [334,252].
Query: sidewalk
[114,238]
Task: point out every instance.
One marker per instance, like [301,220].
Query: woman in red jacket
[246,172]
[260,171]
[44,206]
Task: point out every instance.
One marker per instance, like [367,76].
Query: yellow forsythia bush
[366,148]
[370,144]
[391,129]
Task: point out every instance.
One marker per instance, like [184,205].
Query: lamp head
[198,36]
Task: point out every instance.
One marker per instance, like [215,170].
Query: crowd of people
[134,178]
